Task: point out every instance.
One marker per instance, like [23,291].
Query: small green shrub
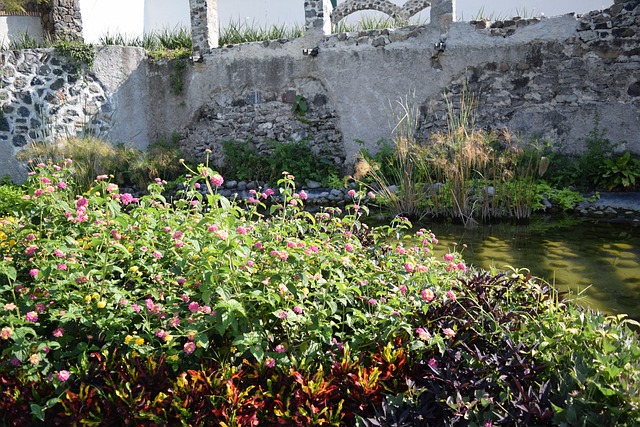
[598,167]
[176,79]
[564,198]
[79,53]
[94,156]
[10,199]
[620,172]
[244,162]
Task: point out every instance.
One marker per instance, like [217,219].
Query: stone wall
[553,90]
[43,94]
[261,117]
[204,25]
[539,78]
[64,20]
[409,9]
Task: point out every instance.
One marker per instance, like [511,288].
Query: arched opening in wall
[354,15]
[498,10]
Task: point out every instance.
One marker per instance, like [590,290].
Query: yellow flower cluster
[6,227]
[136,340]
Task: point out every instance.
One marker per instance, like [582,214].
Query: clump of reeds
[401,192]
[465,173]
[94,156]
[238,31]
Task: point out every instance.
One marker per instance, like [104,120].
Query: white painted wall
[166,14]
[100,17]
[13,28]
[134,17]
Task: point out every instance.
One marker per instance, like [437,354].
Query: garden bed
[120,310]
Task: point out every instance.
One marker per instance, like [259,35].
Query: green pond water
[599,263]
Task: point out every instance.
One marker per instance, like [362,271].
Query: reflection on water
[597,262]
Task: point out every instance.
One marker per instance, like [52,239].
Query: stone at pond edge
[634,89]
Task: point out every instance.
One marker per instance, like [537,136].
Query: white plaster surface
[100,17]
[13,28]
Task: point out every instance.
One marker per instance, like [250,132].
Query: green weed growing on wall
[176,79]
[80,54]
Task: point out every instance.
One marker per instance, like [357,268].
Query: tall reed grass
[464,173]
[239,31]
[400,187]
[94,156]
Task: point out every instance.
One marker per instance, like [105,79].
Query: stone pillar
[205,27]
[443,13]
[317,15]
[65,20]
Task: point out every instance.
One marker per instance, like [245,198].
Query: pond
[597,262]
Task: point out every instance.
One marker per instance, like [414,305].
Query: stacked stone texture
[555,81]
[375,38]
[204,25]
[43,96]
[504,28]
[258,118]
[65,19]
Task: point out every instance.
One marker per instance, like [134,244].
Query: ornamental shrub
[125,311]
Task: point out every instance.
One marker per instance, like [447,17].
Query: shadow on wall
[18,28]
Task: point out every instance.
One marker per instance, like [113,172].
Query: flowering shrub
[139,310]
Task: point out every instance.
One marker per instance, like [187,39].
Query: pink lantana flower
[217,180]
[189,347]
[423,334]
[427,295]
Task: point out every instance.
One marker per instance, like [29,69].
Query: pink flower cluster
[282,254]
[459,266]
[217,180]
[81,211]
[427,295]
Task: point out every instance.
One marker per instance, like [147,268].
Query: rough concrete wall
[539,77]
[13,28]
[552,89]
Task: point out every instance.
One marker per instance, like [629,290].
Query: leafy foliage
[79,53]
[94,156]
[243,161]
[125,311]
[601,166]
[620,172]
[13,6]
[10,198]
[236,32]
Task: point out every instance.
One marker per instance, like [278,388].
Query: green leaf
[8,271]
[37,411]
[607,347]
[257,351]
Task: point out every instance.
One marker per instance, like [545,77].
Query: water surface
[599,263]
